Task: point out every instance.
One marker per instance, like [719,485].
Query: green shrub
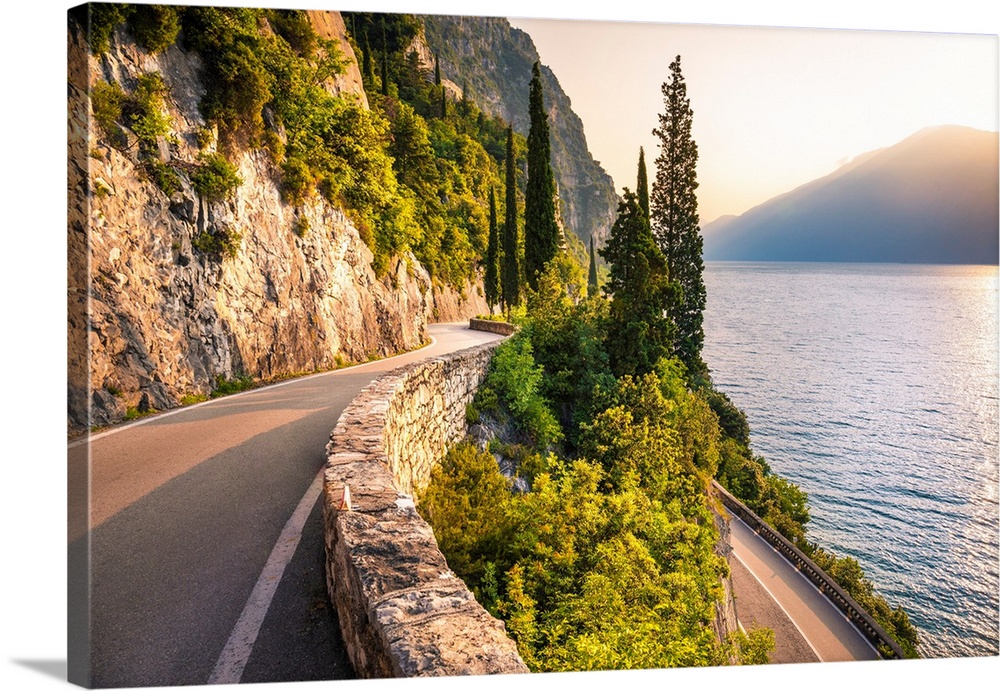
[104,18]
[155,27]
[165,176]
[216,178]
[144,111]
[225,386]
[222,243]
[515,381]
[106,99]
[300,226]
[297,180]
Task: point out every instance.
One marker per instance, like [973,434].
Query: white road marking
[781,607]
[836,610]
[87,438]
[236,653]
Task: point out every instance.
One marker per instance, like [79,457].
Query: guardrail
[871,629]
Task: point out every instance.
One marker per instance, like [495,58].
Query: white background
[33,271]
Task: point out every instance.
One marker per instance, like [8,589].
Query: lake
[874,388]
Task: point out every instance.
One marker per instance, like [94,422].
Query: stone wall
[492,326]
[402,611]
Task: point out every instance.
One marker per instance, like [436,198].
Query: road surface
[205,534]
[770,592]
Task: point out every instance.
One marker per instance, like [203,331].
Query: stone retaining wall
[493,327]
[402,611]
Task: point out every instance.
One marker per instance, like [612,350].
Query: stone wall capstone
[402,611]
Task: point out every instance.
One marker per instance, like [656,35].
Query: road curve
[771,592]
[185,515]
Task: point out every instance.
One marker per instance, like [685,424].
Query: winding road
[770,592]
[203,535]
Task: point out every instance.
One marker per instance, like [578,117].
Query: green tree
[368,70]
[510,267]
[592,274]
[638,332]
[541,232]
[491,277]
[674,215]
[642,185]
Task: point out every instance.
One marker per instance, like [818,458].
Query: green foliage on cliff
[216,178]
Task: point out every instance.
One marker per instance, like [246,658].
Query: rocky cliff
[494,61]
[154,319]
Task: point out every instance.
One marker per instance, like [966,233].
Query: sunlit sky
[773,107]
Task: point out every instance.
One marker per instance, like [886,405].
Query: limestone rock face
[163,319]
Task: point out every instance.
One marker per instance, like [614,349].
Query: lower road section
[204,540]
[771,592]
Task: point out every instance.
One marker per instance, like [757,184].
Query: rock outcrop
[161,319]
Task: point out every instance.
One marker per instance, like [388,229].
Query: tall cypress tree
[642,185]
[674,214]
[510,267]
[541,232]
[491,277]
[366,61]
[385,72]
[639,333]
[592,275]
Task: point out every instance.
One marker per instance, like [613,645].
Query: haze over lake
[874,388]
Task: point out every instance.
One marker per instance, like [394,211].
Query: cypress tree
[642,185]
[385,72]
[541,232]
[639,333]
[491,278]
[366,61]
[437,70]
[674,214]
[592,275]
[510,267]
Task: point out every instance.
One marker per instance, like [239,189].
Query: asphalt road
[770,592]
[185,513]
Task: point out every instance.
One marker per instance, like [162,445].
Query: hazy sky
[773,107]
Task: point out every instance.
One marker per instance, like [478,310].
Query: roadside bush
[514,381]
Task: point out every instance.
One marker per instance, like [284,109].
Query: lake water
[874,388]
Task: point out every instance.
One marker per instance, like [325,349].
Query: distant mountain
[931,198]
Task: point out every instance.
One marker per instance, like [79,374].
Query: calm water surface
[874,388]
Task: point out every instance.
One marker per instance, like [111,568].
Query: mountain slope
[931,198]
[493,60]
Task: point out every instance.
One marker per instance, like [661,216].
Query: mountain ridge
[930,198]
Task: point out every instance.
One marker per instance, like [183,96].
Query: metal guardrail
[882,641]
